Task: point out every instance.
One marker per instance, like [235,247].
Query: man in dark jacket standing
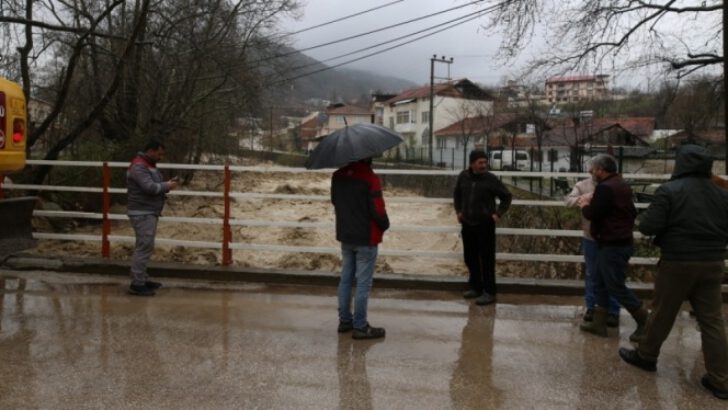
[474,198]
[612,213]
[146,191]
[689,219]
[361,220]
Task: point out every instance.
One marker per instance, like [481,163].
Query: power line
[479,14]
[389,41]
[341,40]
[340,19]
[475,15]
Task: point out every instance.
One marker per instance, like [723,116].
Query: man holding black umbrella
[361,220]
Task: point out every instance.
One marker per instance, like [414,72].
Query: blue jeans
[612,265]
[589,248]
[358,264]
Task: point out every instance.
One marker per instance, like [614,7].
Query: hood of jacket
[692,160]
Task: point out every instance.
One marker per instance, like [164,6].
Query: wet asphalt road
[79,342]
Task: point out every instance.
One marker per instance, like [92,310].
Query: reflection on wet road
[77,341]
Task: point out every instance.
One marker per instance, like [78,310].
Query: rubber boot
[598,325]
[640,316]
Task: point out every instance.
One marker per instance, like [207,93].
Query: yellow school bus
[13,120]
[16,229]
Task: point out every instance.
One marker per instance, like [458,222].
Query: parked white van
[509,160]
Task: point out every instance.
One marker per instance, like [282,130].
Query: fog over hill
[338,84]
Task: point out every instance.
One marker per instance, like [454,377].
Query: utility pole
[725,83]
[431,115]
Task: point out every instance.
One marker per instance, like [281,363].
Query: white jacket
[581,188]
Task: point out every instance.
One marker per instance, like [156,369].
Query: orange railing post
[106,226]
[227,235]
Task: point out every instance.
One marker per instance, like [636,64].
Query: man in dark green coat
[474,199]
[689,221]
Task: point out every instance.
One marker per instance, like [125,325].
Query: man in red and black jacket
[146,195]
[361,220]
[612,214]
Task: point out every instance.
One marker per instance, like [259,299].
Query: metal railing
[227,245]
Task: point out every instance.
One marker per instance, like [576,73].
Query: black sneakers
[471,294]
[632,357]
[139,290]
[721,394]
[368,332]
[152,285]
[485,299]
[613,320]
[345,327]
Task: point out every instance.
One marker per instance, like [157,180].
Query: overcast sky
[472,50]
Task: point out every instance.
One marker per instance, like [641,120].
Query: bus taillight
[18,131]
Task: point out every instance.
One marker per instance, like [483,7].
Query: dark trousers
[479,253]
[612,265]
[699,282]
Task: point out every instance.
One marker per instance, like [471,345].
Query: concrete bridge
[78,341]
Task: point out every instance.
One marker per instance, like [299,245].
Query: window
[403,117]
[425,117]
[553,155]
[425,137]
[521,156]
[497,155]
[441,143]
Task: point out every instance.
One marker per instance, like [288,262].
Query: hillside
[338,83]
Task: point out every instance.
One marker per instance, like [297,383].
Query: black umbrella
[350,144]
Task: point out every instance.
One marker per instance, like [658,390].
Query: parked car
[509,160]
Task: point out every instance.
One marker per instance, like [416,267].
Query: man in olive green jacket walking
[689,221]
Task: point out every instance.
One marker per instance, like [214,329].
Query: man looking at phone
[146,195]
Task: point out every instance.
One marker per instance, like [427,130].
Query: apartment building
[561,90]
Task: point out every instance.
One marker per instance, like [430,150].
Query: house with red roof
[408,113]
[336,116]
[486,132]
[340,115]
[571,143]
[713,139]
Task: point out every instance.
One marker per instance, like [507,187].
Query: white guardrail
[313,225]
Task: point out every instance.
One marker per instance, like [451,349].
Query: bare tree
[587,34]
[473,119]
[123,72]
[696,105]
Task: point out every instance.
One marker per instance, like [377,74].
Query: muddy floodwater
[310,211]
